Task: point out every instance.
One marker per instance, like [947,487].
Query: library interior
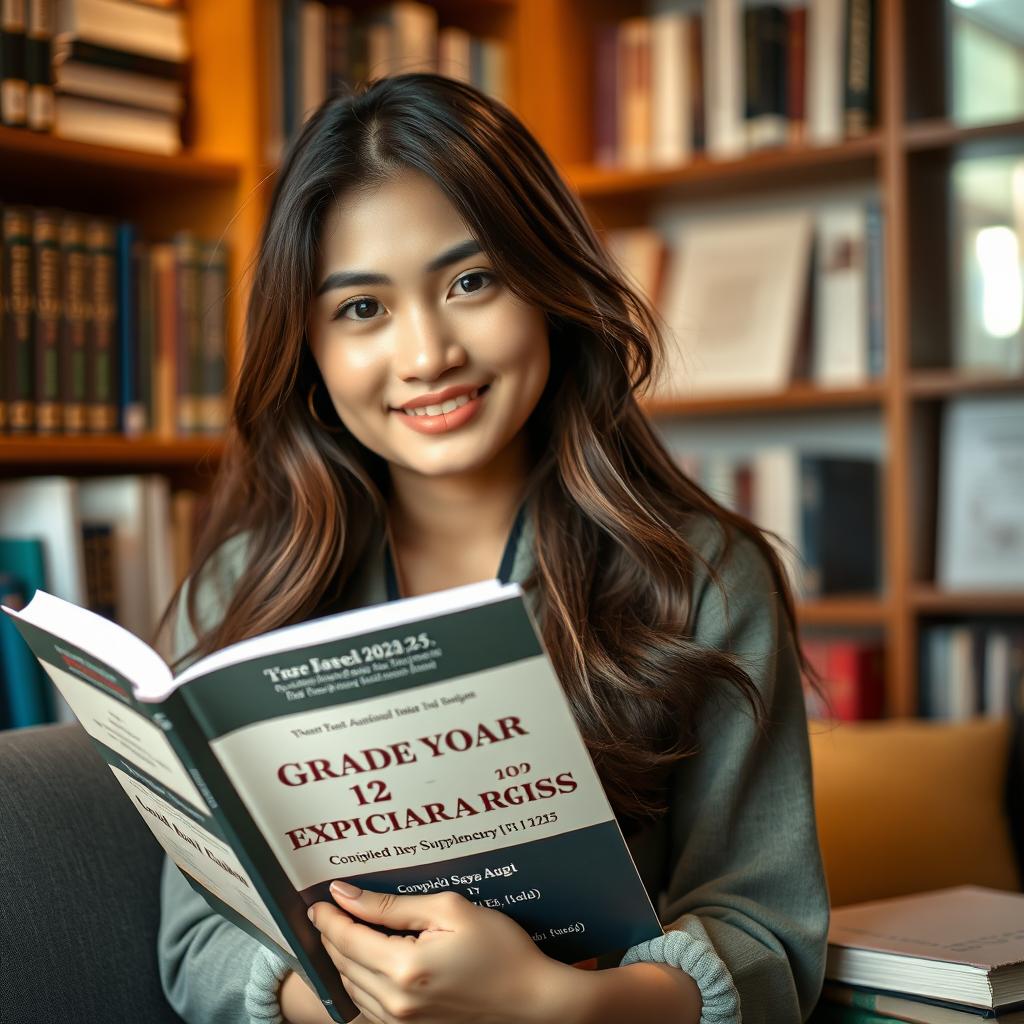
[847,176]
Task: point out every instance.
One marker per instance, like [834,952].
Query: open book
[418,746]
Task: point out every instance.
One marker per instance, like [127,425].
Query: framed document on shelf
[735,304]
[981,499]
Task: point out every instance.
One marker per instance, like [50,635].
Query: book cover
[964,944]
[419,746]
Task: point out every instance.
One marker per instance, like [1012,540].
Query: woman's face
[430,360]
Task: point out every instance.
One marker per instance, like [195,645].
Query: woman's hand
[467,963]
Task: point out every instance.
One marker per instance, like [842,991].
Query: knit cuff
[688,947]
[261,990]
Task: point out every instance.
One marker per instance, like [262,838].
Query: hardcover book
[418,746]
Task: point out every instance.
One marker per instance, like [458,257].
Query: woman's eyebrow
[349,278]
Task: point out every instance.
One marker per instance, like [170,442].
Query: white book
[724,89]
[734,300]
[453,53]
[981,495]
[313,48]
[777,504]
[963,683]
[671,98]
[107,124]
[825,64]
[120,25]
[840,352]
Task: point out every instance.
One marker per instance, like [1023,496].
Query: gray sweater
[733,868]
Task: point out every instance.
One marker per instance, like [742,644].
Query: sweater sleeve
[211,971]
[746,906]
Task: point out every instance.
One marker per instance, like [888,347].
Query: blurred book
[735,301]
[981,495]
[852,674]
[963,945]
[864,1006]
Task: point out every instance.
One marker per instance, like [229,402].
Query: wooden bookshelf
[221,186]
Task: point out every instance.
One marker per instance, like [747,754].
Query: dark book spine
[46,257]
[121,60]
[74,323]
[18,329]
[146,332]
[775,46]
[131,415]
[754,101]
[796,73]
[860,72]
[101,374]
[13,81]
[849,525]
[811,502]
[98,554]
[38,64]
[338,47]
[189,337]
[697,82]
[211,409]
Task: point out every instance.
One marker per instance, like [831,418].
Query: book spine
[98,552]
[47,260]
[180,724]
[145,309]
[606,96]
[39,66]
[875,257]
[211,405]
[796,74]
[290,65]
[166,339]
[131,413]
[67,50]
[74,323]
[811,501]
[338,22]
[3,334]
[697,77]
[23,698]
[13,80]
[189,339]
[859,67]
[18,331]
[101,362]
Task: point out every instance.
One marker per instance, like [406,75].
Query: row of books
[106,333]
[725,78]
[116,545]
[971,668]
[106,72]
[851,671]
[754,302]
[316,48]
[824,509]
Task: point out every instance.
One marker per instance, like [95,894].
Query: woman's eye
[364,309]
[474,278]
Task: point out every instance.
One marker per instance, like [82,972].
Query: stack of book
[723,79]
[119,73]
[106,333]
[955,956]
[315,49]
[116,545]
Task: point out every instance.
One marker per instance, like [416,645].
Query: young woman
[439,386]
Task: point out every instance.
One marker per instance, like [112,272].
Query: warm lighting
[998,255]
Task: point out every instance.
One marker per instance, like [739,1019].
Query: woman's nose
[425,348]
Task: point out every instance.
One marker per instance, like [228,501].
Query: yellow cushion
[905,806]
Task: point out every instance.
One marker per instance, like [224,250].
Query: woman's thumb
[403,913]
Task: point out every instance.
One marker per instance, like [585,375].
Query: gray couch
[79,884]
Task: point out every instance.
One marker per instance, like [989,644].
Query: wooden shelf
[844,611]
[787,166]
[38,159]
[932,601]
[945,383]
[95,453]
[940,133]
[798,398]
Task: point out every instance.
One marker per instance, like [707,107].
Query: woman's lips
[444,422]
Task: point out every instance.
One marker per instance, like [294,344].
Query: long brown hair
[614,573]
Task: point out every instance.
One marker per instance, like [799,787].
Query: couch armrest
[79,873]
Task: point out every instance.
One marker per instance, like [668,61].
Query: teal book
[26,690]
[419,746]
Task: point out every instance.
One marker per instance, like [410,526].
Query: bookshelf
[222,186]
